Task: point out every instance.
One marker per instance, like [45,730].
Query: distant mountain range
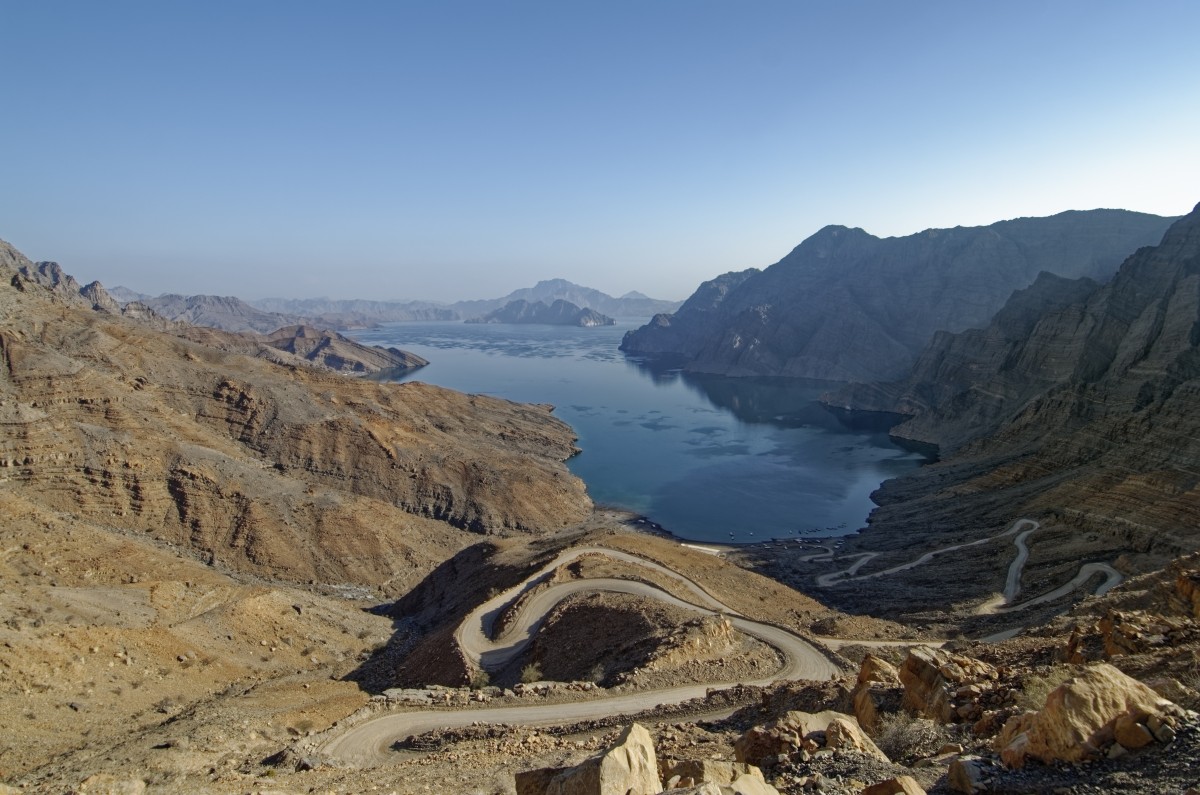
[845,305]
[266,315]
[559,313]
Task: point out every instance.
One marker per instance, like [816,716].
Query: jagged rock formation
[1124,348]
[845,305]
[282,471]
[629,767]
[559,313]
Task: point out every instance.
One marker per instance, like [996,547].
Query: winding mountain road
[1001,603]
[370,742]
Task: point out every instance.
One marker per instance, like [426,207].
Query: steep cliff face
[845,305]
[979,367]
[1081,410]
[1122,349]
[284,471]
[676,334]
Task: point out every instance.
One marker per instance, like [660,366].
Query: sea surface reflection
[709,458]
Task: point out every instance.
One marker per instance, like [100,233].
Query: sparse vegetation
[480,680]
[531,673]
[1036,688]
[906,739]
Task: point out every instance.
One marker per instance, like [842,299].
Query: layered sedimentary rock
[285,471]
[845,305]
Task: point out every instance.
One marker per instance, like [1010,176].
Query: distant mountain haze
[846,305]
[632,304]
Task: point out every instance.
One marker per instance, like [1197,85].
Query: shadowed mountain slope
[845,305]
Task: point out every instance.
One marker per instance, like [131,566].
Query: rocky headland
[559,313]
[847,306]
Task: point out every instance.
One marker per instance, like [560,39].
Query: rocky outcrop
[1086,716]
[806,732]
[845,305]
[629,767]
[304,347]
[681,774]
[933,678]
[559,313]
[340,353]
[878,687]
[900,785]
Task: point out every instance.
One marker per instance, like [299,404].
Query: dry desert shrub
[906,739]
[1035,688]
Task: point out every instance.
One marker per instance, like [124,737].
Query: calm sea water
[709,458]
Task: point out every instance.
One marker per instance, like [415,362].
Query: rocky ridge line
[847,306]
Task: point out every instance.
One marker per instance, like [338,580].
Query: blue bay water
[709,458]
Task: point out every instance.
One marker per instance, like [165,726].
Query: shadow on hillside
[421,649]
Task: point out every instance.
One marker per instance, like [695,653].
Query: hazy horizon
[462,150]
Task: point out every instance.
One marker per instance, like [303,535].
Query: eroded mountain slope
[280,470]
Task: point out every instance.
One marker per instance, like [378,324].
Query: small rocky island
[559,313]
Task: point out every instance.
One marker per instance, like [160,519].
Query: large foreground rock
[878,686]
[629,767]
[900,785]
[805,731]
[1086,715]
[931,676]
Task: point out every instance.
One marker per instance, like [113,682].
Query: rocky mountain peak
[845,305]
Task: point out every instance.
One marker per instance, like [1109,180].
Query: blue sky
[453,150]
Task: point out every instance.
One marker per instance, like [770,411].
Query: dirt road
[370,742]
